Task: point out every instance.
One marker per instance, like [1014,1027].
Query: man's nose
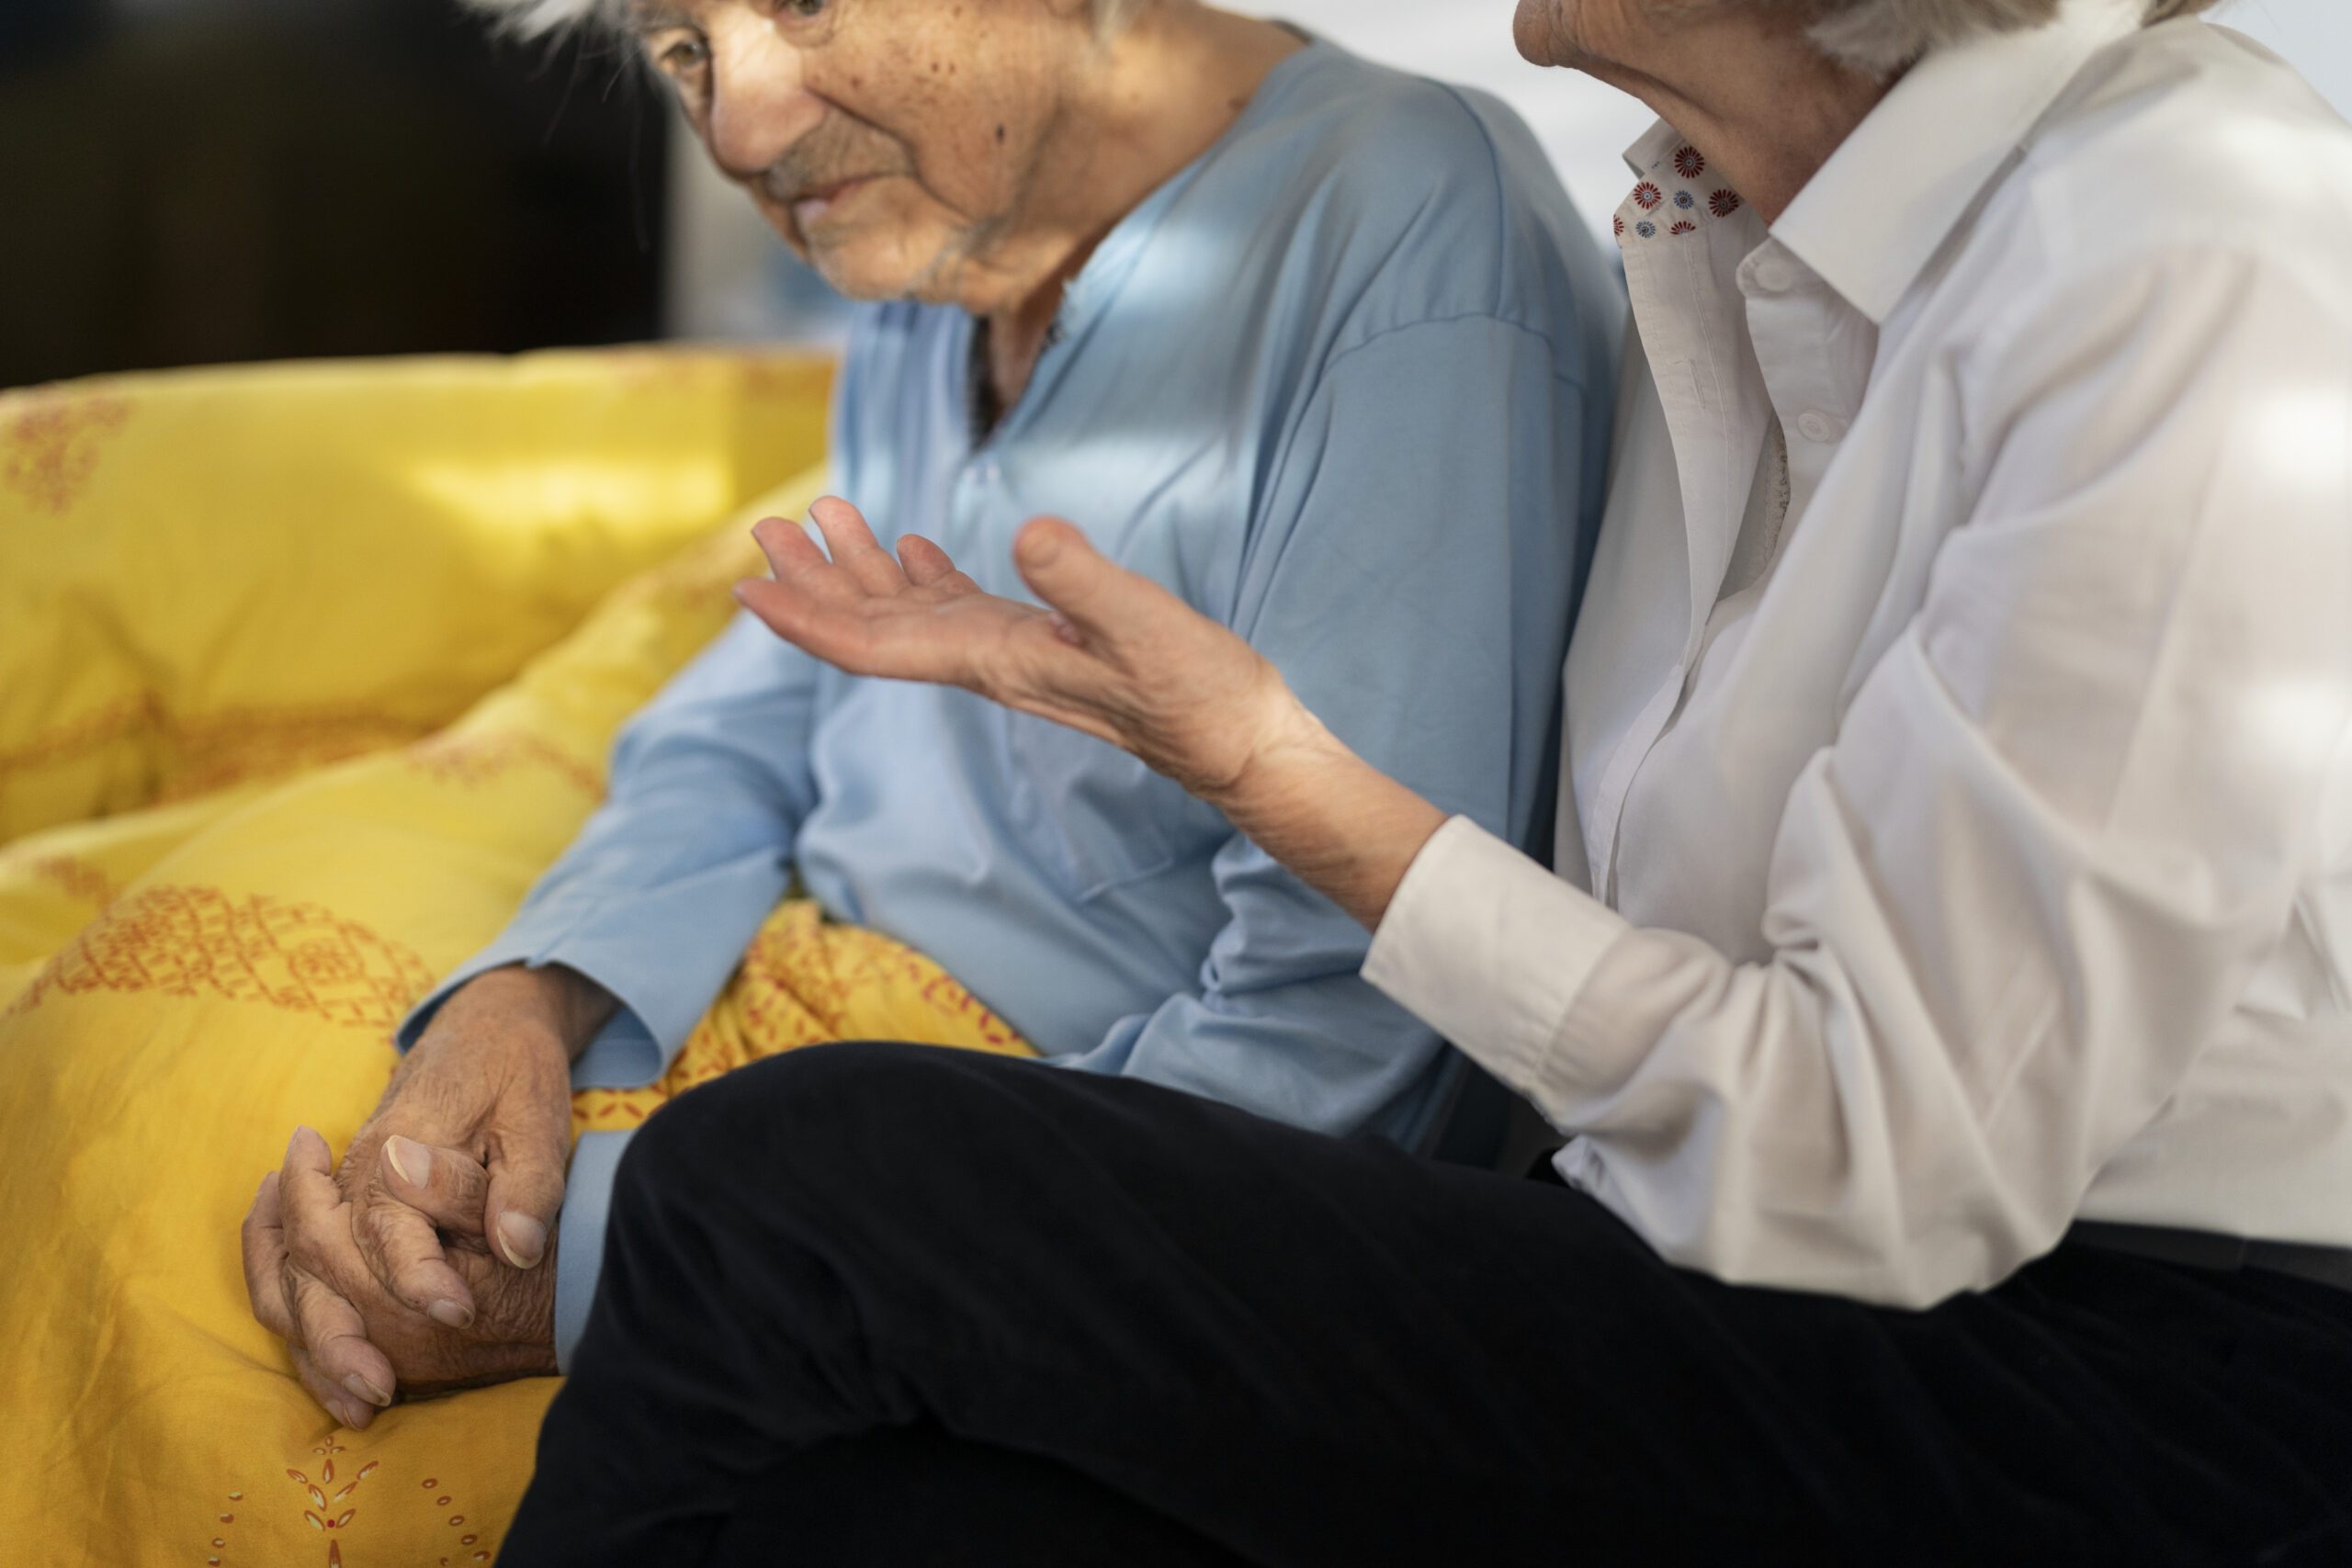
[760,101]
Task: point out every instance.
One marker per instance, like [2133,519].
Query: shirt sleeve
[669,880]
[1411,576]
[2064,817]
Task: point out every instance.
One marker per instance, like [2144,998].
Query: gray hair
[545,18]
[1882,36]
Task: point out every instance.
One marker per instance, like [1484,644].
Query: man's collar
[1885,201]
[1870,222]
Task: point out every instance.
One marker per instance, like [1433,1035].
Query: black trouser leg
[951,1505]
[1310,1352]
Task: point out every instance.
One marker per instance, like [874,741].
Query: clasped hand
[425,1262]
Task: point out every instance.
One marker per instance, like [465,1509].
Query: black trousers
[874,1304]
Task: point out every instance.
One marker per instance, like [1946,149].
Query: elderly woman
[1946,989]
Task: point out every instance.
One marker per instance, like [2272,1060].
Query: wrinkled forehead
[652,16]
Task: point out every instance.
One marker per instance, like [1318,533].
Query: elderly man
[1946,985]
[1319,346]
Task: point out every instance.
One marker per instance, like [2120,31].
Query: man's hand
[489,1080]
[1118,656]
[354,1342]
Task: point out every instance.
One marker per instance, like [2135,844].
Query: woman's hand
[1117,656]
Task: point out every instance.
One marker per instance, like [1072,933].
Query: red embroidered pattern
[1648,196]
[1724,203]
[1685,227]
[218,749]
[473,760]
[457,1521]
[240,744]
[49,448]
[200,942]
[1690,163]
[78,878]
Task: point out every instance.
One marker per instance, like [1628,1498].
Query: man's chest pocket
[1094,817]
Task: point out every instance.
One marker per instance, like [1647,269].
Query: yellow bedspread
[296,699]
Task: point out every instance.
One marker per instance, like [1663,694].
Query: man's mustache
[837,151]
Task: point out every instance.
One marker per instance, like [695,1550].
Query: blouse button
[1816,426]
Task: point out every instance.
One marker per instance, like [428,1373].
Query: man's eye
[805,8]
[684,57]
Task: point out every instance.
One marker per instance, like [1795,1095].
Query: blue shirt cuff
[580,1235]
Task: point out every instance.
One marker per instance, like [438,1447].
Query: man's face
[888,140]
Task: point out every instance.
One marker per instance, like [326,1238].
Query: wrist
[1333,819]
[560,1005]
[1288,750]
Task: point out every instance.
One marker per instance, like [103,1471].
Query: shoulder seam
[1495,318]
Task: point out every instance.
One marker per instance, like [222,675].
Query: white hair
[1881,36]
[544,19]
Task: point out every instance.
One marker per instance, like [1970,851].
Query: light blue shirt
[1343,384]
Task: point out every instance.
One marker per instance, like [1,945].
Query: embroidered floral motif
[1620,226]
[1724,203]
[1648,196]
[801,983]
[1683,228]
[1685,201]
[321,1514]
[1646,229]
[200,942]
[49,449]
[1688,163]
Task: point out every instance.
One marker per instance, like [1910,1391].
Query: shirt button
[1774,276]
[1816,426]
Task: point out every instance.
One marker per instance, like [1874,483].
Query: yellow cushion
[213,575]
[249,954]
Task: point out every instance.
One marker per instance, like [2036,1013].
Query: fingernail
[522,1238]
[449,1314]
[411,1162]
[361,1388]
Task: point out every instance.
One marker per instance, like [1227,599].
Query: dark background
[196,181]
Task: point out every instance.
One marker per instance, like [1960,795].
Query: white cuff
[1490,950]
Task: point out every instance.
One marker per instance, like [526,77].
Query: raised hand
[1115,654]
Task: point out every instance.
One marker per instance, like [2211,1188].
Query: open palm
[1116,656]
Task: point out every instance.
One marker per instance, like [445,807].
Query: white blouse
[1959,729]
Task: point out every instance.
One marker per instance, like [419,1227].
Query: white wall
[731,279]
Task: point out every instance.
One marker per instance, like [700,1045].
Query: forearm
[1335,821]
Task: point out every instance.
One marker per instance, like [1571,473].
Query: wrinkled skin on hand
[489,1085]
[312,1286]
[1116,657]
